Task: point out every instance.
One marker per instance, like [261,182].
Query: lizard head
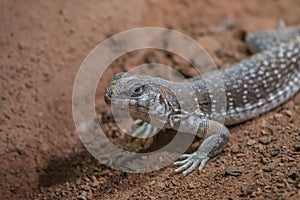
[144,96]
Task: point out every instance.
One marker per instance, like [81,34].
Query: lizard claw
[190,162]
[145,130]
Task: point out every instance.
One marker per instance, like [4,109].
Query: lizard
[253,86]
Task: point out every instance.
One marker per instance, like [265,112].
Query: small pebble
[175,182]
[235,148]
[261,147]
[267,169]
[293,173]
[233,171]
[242,145]
[251,142]
[245,191]
[289,113]
[275,151]
[297,147]
[82,196]
[278,117]
[160,184]
[263,160]
[264,132]
[264,140]
[191,186]
[78,182]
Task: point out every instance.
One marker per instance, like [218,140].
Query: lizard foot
[145,130]
[190,162]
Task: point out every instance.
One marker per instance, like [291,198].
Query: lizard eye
[138,91]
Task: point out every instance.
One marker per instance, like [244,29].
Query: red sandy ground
[42,44]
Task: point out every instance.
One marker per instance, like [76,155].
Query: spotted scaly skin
[253,87]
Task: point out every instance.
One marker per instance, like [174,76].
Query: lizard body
[253,86]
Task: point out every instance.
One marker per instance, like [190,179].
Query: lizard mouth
[120,104]
[108,95]
[107,100]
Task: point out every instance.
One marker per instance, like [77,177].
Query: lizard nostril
[111,93]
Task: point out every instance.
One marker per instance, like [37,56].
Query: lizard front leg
[216,137]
